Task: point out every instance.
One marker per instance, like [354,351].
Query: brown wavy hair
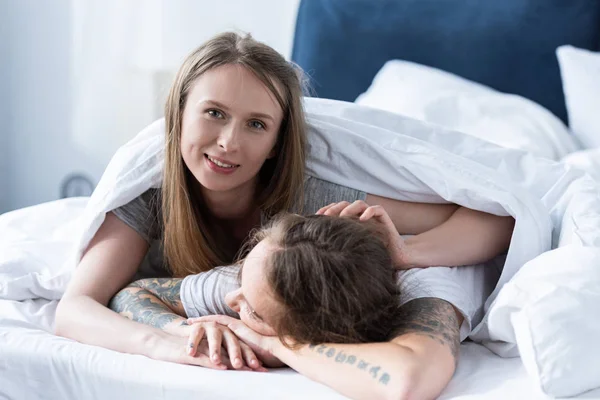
[190,244]
[334,278]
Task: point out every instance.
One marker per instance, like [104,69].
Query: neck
[232,205]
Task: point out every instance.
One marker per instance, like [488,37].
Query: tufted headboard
[508,45]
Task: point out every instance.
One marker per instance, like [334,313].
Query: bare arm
[446,234]
[417,364]
[110,261]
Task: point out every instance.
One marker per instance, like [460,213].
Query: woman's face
[229,128]
[254,301]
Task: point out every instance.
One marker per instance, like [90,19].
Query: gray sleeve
[142,215]
[319,193]
[204,293]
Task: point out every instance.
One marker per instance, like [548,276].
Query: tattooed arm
[417,363]
[155,302]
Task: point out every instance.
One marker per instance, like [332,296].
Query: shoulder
[431,318]
[143,214]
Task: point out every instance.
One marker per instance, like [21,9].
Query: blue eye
[257,125]
[215,114]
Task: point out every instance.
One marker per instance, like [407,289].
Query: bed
[342,46]
[35,364]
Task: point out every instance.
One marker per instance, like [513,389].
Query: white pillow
[580,71]
[554,303]
[438,97]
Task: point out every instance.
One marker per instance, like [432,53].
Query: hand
[240,355]
[394,242]
[263,346]
[173,349]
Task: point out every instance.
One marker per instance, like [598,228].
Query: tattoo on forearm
[142,306]
[434,318]
[166,289]
[339,356]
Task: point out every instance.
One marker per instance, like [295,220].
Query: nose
[228,139]
[232,299]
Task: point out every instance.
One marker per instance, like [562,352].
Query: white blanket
[387,155]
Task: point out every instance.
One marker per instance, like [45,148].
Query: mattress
[34,364]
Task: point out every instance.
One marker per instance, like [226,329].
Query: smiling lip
[220,170]
[222,160]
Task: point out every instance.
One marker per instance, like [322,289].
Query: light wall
[4,109]
[40,149]
[37,145]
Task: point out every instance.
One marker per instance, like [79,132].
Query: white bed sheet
[34,364]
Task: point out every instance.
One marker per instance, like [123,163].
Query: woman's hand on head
[210,338]
[361,210]
[262,346]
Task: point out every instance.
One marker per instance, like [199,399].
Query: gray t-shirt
[143,214]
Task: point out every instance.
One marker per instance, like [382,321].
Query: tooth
[220,164]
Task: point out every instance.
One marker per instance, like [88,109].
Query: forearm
[359,371]
[140,305]
[467,237]
[83,319]
[417,363]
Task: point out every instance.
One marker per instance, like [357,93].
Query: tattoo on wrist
[340,357]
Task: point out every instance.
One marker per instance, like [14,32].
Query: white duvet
[543,304]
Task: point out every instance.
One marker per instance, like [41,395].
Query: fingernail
[190,351]
[215,358]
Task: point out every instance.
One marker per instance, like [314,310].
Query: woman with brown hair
[234,156]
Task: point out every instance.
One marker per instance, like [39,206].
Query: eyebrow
[224,107]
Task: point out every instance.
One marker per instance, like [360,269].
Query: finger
[214,337]
[194,339]
[354,209]
[232,344]
[251,358]
[220,319]
[203,348]
[202,360]
[323,209]
[382,216]
[336,209]
[368,213]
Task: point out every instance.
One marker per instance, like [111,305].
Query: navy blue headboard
[505,44]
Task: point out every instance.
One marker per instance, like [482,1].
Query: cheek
[261,149]
[195,135]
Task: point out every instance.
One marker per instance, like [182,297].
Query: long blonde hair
[190,246]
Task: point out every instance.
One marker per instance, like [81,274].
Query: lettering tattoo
[342,358]
[431,317]
[150,301]
[434,318]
